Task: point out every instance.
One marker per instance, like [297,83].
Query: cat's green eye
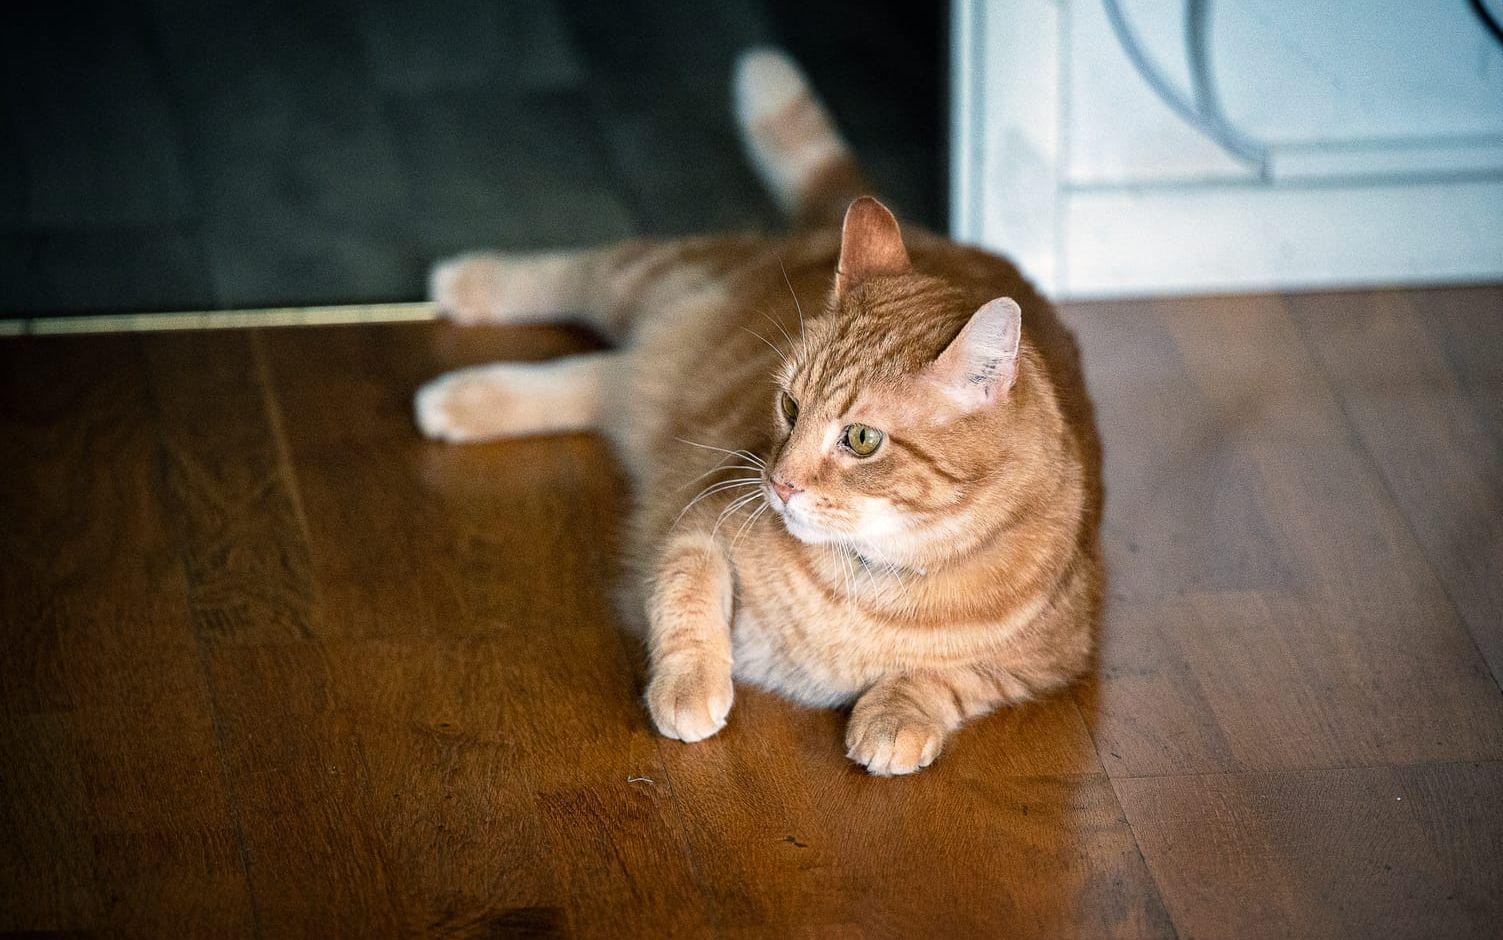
[789,407]
[862,440]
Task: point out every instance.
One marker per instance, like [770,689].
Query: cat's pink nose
[784,490]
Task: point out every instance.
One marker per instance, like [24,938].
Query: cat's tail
[792,140]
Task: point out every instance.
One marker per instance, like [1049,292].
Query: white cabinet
[1138,147]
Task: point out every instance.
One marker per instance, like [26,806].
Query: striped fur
[953,571]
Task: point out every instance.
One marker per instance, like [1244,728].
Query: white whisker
[780,328]
[749,521]
[794,294]
[718,468]
[862,559]
[768,342]
[737,504]
[734,453]
[716,488]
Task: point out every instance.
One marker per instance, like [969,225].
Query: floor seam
[1334,768]
[201,648]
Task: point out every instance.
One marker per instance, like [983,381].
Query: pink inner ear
[871,244]
[981,363]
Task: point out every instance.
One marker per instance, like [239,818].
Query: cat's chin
[804,532]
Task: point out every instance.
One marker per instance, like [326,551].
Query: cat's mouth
[811,532]
[796,522]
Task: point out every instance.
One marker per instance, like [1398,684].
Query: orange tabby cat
[865,467]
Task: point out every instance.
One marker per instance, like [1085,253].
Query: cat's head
[899,408]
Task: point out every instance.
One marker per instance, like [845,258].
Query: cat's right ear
[981,363]
[871,245]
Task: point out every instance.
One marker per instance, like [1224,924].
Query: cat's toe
[433,410]
[889,745]
[430,409]
[690,704]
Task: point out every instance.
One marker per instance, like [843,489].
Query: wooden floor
[272,665]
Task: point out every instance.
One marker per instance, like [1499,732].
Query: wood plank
[313,848]
[1184,510]
[98,648]
[1221,682]
[470,639]
[272,663]
[1427,433]
[47,871]
[1385,851]
[1018,836]
[1299,664]
[1465,325]
[723,789]
[244,552]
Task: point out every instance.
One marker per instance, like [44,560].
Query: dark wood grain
[493,699]
[1271,607]
[1411,851]
[831,850]
[230,490]
[272,664]
[1425,403]
[105,823]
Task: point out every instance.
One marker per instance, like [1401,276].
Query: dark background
[178,154]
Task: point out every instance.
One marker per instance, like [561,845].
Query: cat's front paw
[690,702]
[891,742]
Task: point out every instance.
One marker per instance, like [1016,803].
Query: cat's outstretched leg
[514,399]
[605,288]
[689,639]
[493,287]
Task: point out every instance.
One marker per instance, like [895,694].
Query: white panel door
[1137,147]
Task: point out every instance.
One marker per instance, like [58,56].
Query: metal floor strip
[220,319]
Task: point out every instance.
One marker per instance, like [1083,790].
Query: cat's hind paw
[470,289]
[459,407]
[512,399]
[497,288]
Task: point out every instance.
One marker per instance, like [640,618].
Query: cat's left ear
[981,363]
[871,245]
